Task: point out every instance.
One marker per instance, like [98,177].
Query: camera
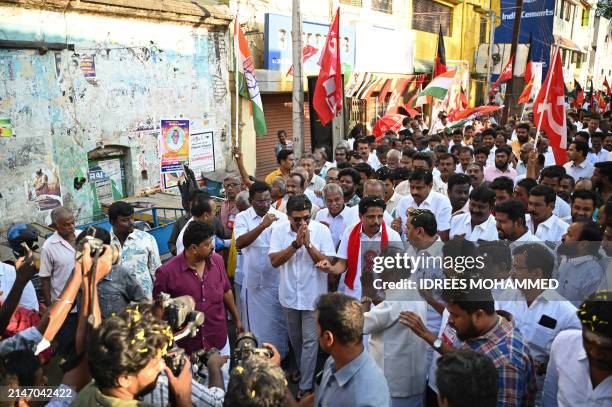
[247,346]
[184,321]
[96,247]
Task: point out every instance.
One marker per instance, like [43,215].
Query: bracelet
[65,301]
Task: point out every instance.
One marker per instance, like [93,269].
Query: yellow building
[465,25]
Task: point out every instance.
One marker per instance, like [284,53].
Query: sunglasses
[297,219]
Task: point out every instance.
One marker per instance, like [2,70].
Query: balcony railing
[384,6]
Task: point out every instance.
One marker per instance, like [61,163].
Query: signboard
[201,153]
[278,45]
[536,19]
[106,179]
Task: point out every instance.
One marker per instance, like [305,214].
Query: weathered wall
[144,70]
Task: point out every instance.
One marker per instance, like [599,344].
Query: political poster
[174,145]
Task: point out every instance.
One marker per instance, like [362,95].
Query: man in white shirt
[542,222]
[261,280]
[479,223]
[488,140]
[579,372]
[314,182]
[57,260]
[335,215]
[584,203]
[422,197]
[599,153]
[539,314]
[446,165]
[8,274]
[511,223]
[551,177]
[295,247]
[202,209]
[578,166]
[367,238]
[579,273]
[459,187]
[374,188]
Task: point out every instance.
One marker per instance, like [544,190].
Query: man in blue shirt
[350,376]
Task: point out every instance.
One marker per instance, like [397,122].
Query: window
[428,16]
[569,8]
[483,30]
[585,17]
[561,7]
[356,3]
[384,6]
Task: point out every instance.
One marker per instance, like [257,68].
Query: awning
[567,43]
[362,85]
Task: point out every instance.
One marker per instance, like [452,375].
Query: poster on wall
[174,145]
[6,128]
[106,179]
[44,188]
[202,153]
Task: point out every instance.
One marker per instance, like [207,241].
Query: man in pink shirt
[502,165]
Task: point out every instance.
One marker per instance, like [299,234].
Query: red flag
[549,109]
[601,100]
[307,53]
[327,99]
[504,76]
[395,99]
[440,65]
[608,90]
[474,112]
[529,77]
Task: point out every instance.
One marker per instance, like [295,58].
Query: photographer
[117,289]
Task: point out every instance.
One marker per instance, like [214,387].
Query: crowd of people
[290,258]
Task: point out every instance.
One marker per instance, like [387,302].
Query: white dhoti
[266,318]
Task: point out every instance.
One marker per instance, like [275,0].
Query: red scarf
[354,246]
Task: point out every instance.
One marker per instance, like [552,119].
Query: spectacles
[297,219]
[231,186]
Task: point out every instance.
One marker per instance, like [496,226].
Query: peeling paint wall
[144,70]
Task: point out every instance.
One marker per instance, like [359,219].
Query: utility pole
[297,103]
[490,60]
[515,37]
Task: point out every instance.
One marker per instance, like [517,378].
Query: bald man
[56,265]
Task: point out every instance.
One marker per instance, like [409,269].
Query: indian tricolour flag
[247,82]
[437,88]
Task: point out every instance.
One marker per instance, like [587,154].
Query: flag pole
[549,77]
[236,76]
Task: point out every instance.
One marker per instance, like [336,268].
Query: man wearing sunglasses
[295,247]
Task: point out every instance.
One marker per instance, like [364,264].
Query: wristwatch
[309,245]
[295,245]
[437,345]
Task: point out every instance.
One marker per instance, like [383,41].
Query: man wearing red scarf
[371,228]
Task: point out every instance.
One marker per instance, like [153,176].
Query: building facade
[85,89]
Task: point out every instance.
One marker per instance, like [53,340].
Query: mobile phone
[548,322]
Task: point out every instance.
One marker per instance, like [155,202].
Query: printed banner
[201,153]
[174,144]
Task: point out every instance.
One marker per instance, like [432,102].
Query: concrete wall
[601,60]
[144,70]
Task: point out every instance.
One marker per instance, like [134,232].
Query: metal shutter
[277,110]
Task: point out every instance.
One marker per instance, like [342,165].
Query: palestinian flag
[247,82]
[529,77]
[440,64]
[437,88]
